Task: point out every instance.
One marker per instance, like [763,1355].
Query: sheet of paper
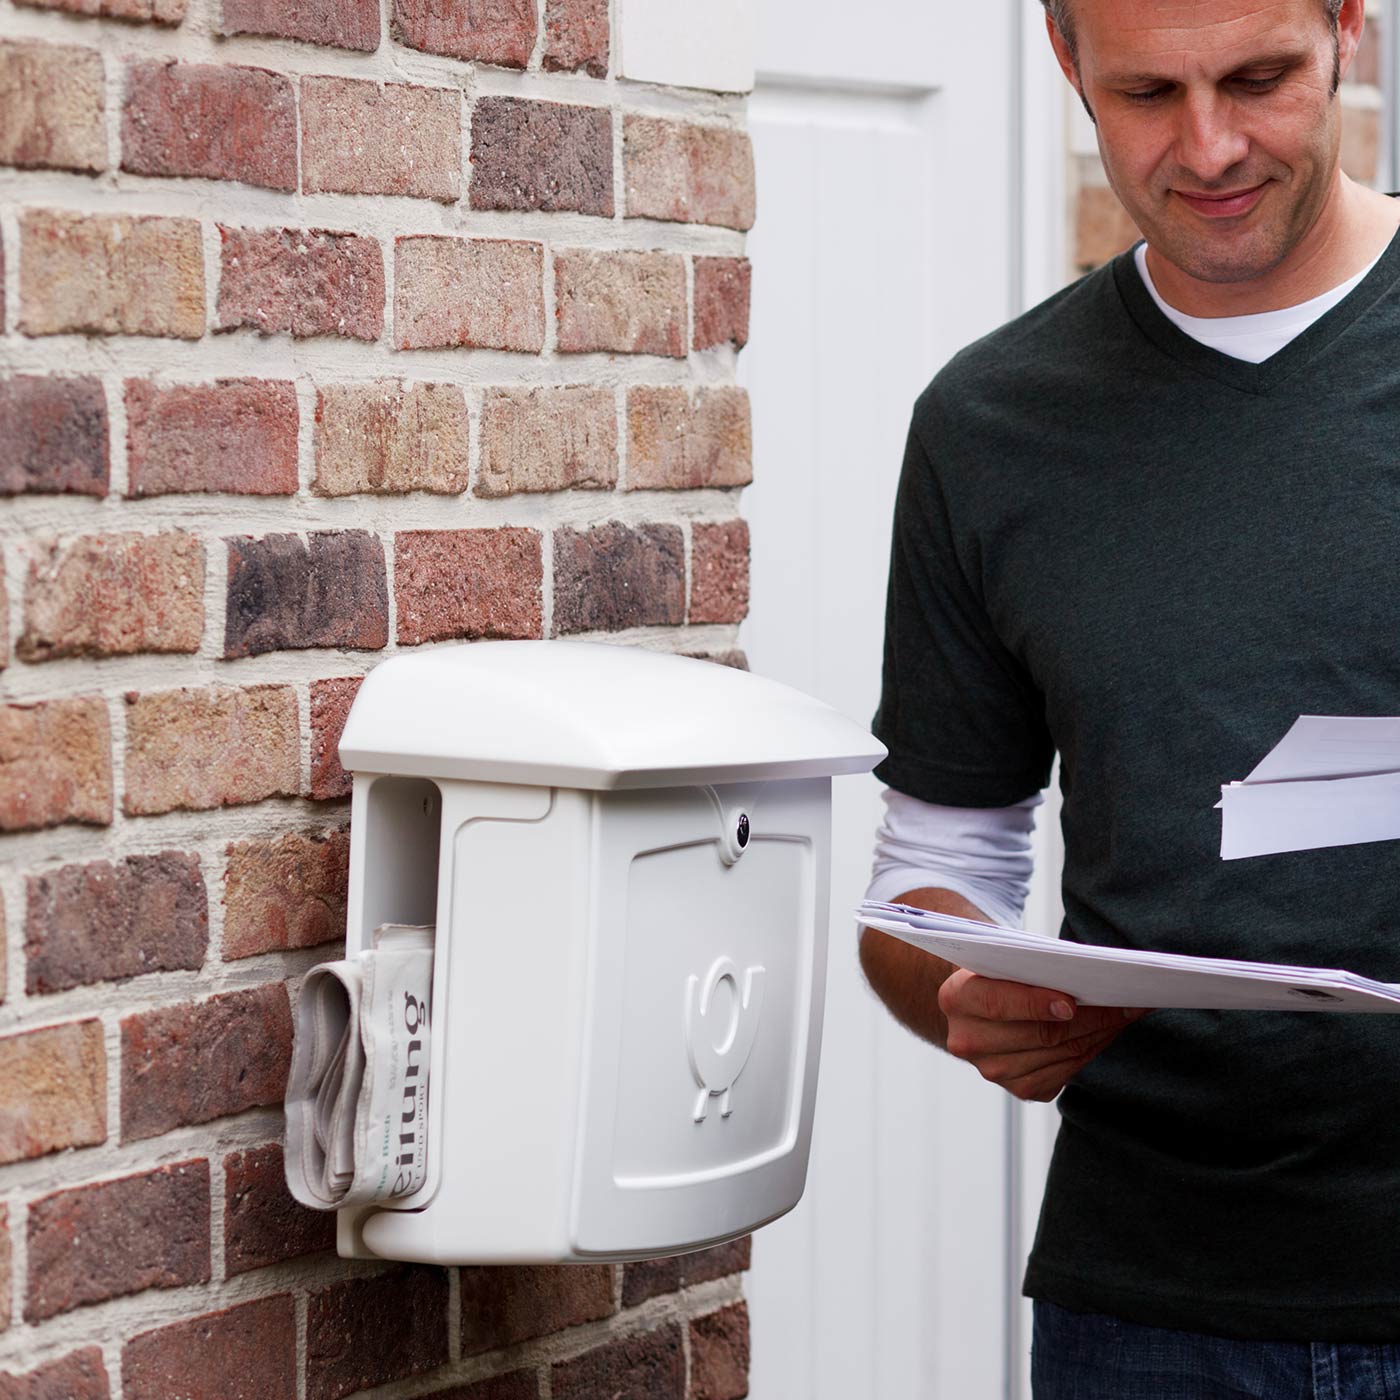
[1096,976]
[1332,780]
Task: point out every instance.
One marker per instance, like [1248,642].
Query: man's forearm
[905,978]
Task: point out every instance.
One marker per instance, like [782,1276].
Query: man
[1147,525]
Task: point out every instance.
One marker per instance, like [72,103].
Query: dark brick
[344,24]
[7,1280]
[234,435]
[289,892]
[404,1311]
[262,1223]
[650,1278]
[719,1355]
[617,576]
[92,923]
[204,1060]
[722,288]
[719,572]
[490,31]
[330,707]
[502,1306]
[204,119]
[55,436]
[118,1237]
[541,155]
[514,1385]
[467,583]
[306,282]
[576,36]
[243,1353]
[287,593]
[78,1376]
[650,1366]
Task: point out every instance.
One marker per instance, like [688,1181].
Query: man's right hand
[1030,1040]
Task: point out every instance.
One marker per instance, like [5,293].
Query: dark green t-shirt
[1116,543]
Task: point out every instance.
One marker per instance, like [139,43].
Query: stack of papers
[1096,976]
[1332,780]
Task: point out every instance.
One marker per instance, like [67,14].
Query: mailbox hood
[588,715]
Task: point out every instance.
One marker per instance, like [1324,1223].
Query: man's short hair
[1064,20]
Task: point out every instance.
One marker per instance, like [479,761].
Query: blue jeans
[1084,1356]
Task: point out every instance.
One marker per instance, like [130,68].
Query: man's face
[1217,122]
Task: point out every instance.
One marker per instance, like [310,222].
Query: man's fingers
[966,994]
[1013,1066]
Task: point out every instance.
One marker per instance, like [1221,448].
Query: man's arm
[1030,1040]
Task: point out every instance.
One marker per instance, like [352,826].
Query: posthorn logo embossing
[720,1031]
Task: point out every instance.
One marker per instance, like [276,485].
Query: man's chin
[1242,262]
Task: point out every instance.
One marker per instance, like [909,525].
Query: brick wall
[328,328]
[1100,226]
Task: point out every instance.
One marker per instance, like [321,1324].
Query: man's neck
[1350,233]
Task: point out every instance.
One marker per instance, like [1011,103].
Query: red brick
[118,1237]
[329,590]
[675,441]
[343,24]
[262,1223]
[55,436]
[341,1317]
[204,1060]
[289,892]
[6,1273]
[514,1385]
[541,155]
[242,1353]
[576,36]
[719,1354]
[330,707]
[189,750]
[484,293]
[78,1376]
[235,435]
[360,138]
[55,764]
[467,583]
[650,1278]
[203,119]
[4,617]
[687,174]
[139,11]
[501,32]
[722,302]
[114,595]
[719,572]
[503,1306]
[618,576]
[53,1090]
[648,1366]
[305,282]
[628,302]
[547,440]
[388,436]
[1361,143]
[51,107]
[1102,227]
[96,922]
[110,275]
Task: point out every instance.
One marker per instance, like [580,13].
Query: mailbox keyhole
[741,835]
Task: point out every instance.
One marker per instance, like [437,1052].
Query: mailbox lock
[742,832]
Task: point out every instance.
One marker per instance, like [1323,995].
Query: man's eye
[1147,94]
[1259,84]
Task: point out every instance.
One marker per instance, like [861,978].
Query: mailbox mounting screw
[743,833]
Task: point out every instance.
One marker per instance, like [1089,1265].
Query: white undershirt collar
[1252,338]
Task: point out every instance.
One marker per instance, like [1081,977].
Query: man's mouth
[1228,205]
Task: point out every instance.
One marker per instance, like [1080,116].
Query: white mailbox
[626,858]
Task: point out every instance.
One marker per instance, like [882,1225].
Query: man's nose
[1209,143]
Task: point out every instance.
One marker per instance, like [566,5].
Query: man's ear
[1064,55]
[1350,22]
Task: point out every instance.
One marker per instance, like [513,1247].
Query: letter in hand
[1030,1040]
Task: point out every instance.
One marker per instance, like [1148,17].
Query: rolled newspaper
[357,1098]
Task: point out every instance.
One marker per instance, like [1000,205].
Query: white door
[891,202]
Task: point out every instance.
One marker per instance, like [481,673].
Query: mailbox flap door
[707,974]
